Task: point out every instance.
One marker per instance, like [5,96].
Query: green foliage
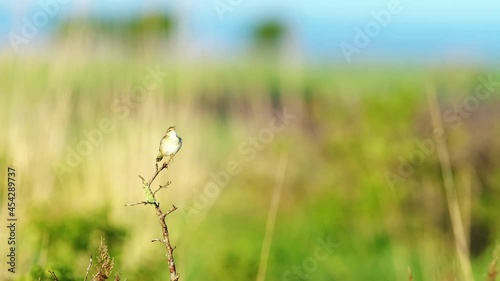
[65,272]
[72,235]
[78,228]
[38,273]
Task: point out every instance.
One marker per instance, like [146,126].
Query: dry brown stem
[174,276]
[492,269]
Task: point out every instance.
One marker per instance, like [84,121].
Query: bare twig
[143,180]
[174,276]
[171,210]
[141,203]
[162,186]
[88,268]
[148,183]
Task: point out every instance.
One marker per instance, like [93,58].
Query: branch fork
[151,200]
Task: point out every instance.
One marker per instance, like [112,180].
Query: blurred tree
[268,40]
[150,26]
[268,36]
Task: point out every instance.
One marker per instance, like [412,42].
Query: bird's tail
[159,157]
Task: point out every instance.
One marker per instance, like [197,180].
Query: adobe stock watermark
[322,252]
[364,36]
[121,106]
[221,7]
[30,27]
[454,117]
[248,150]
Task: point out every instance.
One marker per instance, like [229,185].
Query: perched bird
[169,144]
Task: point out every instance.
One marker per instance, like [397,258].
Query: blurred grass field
[350,128]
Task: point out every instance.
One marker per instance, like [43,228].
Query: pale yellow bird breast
[170,146]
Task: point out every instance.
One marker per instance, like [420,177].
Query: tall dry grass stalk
[271,217]
[105,264]
[492,269]
[461,243]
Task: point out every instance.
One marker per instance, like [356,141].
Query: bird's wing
[163,140]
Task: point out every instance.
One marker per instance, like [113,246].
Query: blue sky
[421,30]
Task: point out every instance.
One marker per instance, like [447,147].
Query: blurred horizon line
[398,37]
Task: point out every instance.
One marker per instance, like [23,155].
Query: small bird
[169,144]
